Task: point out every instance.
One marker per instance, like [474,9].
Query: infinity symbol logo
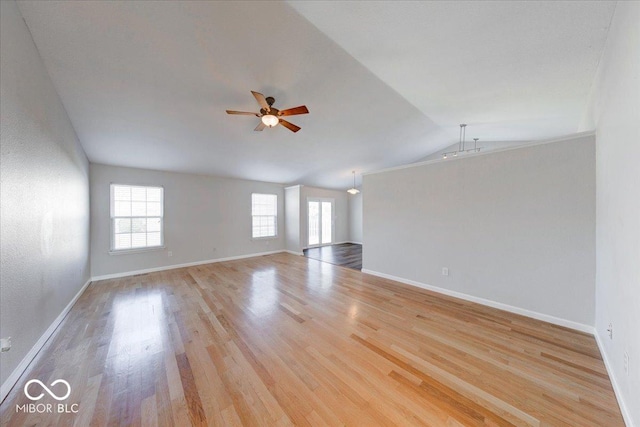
[52,394]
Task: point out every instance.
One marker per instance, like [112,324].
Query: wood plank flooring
[288,340]
[344,254]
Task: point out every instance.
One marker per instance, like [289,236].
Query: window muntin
[264,213]
[136,217]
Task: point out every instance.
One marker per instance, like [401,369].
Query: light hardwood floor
[287,340]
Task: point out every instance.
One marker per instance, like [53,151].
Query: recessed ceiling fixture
[270,116]
[353,190]
[461,149]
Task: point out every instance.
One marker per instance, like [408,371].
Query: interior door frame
[333,222]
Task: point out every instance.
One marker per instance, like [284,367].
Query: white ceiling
[146,84]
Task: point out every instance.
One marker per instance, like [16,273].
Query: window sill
[136,251]
[265,238]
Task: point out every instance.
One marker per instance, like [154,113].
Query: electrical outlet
[5,344]
[610,330]
[445,271]
[626,363]
[170,254]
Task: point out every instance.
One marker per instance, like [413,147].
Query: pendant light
[353,190]
[461,144]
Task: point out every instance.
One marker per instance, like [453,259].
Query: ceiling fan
[270,116]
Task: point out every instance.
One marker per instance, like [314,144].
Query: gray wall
[44,199]
[355,218]
[615,114]
[205,218]
[292,219]
[515,227]
[341,215]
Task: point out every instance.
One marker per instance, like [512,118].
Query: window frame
[112,217]
[274,236]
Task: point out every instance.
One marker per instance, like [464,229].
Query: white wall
[355,218]
[516,227]
[44,199]
[615,114]
[205,218]
[292,219]
[341,215]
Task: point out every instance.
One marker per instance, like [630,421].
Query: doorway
[320,230]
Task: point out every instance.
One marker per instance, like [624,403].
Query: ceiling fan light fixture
[270,120]
[270,117]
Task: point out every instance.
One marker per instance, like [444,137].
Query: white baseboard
[293,252]
[188,264]
[28,358]
[626,414]
[517,310]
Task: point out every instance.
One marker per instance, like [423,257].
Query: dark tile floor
[344,254]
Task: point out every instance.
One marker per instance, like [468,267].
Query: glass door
[320,222]
[314,223]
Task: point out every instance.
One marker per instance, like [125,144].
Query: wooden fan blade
[290,126]
[261,100]
[260,127]
[293,111]
[244,113]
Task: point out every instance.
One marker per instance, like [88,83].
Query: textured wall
[515,227]
[44,198]
[615,113]
[205,218]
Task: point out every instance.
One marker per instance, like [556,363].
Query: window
[136,217]
[264,212]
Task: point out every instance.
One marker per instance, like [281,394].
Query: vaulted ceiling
[146,84]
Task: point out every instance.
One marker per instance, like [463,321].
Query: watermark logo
[47,408]
[52,394]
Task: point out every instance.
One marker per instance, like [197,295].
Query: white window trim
[136,250]
[275,236]
[111,230]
